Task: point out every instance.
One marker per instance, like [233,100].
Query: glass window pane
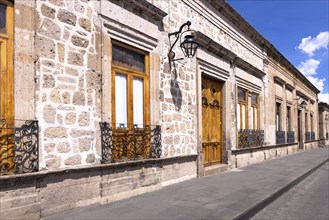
[252,119]
[254,99]
[256,118]
[138,96]
[243,118]
[238,116]
[121,99]
[3,18]
[241,94]
[127,58]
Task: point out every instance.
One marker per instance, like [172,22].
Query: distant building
[92,110]
[324,124]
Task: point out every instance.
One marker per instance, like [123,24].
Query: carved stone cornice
[224,53]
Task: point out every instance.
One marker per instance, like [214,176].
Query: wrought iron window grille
[280,137]
[123,144]
[312,136]
[19,146]
[290,137]
[249,138]
[307,136]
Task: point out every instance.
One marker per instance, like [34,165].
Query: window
[254,112]
[306,122]
[311,120]
[288,125]
[3,15]
[278,117]
[242,109]
[130,101]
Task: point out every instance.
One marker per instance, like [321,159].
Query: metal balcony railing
[19,146]
[312,136]
[124,144]
[290,137]
[248,138]
[280,137]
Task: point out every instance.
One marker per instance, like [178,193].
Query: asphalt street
[307,200]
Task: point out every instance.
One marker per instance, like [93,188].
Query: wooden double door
[211,121]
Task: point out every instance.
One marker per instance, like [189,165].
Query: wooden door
[211,121]
[6,87]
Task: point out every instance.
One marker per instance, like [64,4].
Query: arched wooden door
[211,121]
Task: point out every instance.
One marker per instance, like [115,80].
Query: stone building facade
[94,76]
[324,124]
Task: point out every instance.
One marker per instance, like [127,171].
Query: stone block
[75,58]
[48,11]
[57,198]
[70,118]
[67,17]
[53,162]
[79,41]
[79,98]
[81,133]
[92,80]
[44,47]
[84,119]
[85,24]
[48,81]
[56,132]
[84,144]
[63,147]
[73,160]
[28,211]
[50,29]
[49,114]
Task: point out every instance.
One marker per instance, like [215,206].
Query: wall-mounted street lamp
[188,45]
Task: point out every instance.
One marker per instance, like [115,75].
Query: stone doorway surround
[212,67]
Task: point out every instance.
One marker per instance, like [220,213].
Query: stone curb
[249,213]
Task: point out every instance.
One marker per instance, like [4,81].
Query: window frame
[255,106]
[288,120]
[278,116]
[241,103]
[131,74]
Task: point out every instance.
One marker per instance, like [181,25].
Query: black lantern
[189,46]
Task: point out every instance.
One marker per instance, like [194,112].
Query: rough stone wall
[37,195]
[178,94]
[68,103]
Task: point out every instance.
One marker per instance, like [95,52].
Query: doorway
[211,121]
[300,134]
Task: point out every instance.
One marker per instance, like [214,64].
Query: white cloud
[309,45]
[318,83]
[308,67]
[324,97]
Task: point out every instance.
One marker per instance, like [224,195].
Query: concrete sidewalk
[238,193]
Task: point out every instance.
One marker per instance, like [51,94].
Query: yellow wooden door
[6,87]
[211,121]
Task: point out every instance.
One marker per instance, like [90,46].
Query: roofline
[229,12]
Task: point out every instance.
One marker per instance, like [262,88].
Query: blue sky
[299,29]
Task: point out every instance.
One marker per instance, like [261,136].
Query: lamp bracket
[171,54]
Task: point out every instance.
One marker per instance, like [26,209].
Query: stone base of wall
[36,195]
[311,144]
[324,143]
[245,157]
